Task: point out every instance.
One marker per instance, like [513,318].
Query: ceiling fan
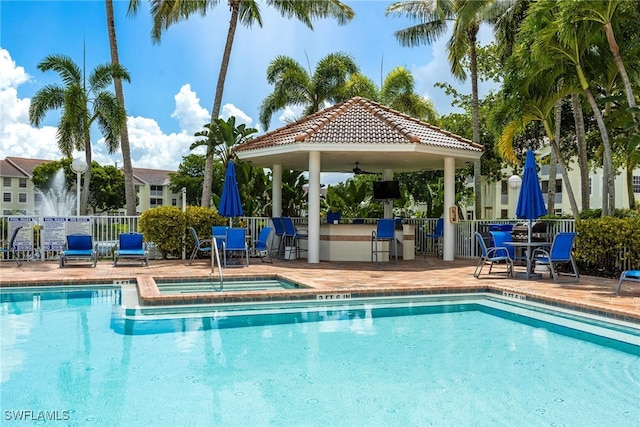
[357,171]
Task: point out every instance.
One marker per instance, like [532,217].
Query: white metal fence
[106,229]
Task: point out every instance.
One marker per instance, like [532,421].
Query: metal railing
[107,228]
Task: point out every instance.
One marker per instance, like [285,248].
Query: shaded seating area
[235,248]
[384,232]
[200,245]
[79,247]
[491,256]
[131,246]
[560,253]
[629,276]
[261,245]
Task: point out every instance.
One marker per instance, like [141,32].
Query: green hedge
[165,227]
[603,244]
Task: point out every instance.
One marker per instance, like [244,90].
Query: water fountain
[57,201]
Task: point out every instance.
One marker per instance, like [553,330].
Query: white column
[387,175]
[276,192]
[313,255]
[449,235]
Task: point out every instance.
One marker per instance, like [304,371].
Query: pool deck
[428,275]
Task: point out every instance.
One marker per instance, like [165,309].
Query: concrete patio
[423,275]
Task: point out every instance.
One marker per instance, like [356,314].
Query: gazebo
[359,130]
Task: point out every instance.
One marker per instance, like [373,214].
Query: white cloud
[150,147]
[12,75]
[190,114]
[229,110]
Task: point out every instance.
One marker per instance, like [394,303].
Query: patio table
[529,248]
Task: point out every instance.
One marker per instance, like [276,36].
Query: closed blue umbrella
[230,203]
[530,202]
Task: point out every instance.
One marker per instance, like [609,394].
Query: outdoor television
[385,190]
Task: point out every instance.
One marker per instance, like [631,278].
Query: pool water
[358,363]
[235,284]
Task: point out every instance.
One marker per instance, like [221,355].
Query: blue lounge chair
[436,236]
[235,246]
[131,246]
[278,226]
[385,232]
[491,256]
[79,247]
[560,253]
[219,232]
[630,276]
[333,216]
[9,249]
[261,245]
[203,245]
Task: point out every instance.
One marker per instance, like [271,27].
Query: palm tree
[129,188]
[247,12]
[433,17]
[293,85]
[83,103]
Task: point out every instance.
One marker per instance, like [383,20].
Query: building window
[22,197]
[22,183]
[153,202]
[504,213]
[590,187]
[6,197]
[174,202]
[137,188]
[6,182]
[636,183]
[37,198]
[156,190]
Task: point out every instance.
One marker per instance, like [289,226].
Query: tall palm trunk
[615,51]
[581,141]
[215,111]
[129,189]
[475,111]
[84,198]
[553,162]
[565,174]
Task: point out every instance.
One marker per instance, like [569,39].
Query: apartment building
[499,200]
[19,196]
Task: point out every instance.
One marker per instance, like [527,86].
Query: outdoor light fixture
[79,166]
[514,181]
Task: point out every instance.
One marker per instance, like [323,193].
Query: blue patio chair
[500,237]
[292,235]
[384,232]
[131,246]
[203,245]
[9,249]
[628,275]
[220,234]
[235,246]
[278,226]
[491,256]
[261,245]
[79,247]
[436,236]
[560,253]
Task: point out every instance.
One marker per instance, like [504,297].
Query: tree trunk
[583,161]
[615,51]
[553,162]
[84,198]
[215,111]
[630,194]
[475,109]
[129,189]
[608,179]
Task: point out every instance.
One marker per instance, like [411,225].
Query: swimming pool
[454,360]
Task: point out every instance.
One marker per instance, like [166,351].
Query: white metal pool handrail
[214,250]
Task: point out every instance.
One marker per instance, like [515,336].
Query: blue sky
[173,83]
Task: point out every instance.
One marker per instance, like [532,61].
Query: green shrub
[604,244]
[202,219]
[164,226]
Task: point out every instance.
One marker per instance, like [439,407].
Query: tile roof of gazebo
[359,130]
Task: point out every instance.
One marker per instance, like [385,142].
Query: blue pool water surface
[76,358]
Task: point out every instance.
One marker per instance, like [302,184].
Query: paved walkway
[424,275]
